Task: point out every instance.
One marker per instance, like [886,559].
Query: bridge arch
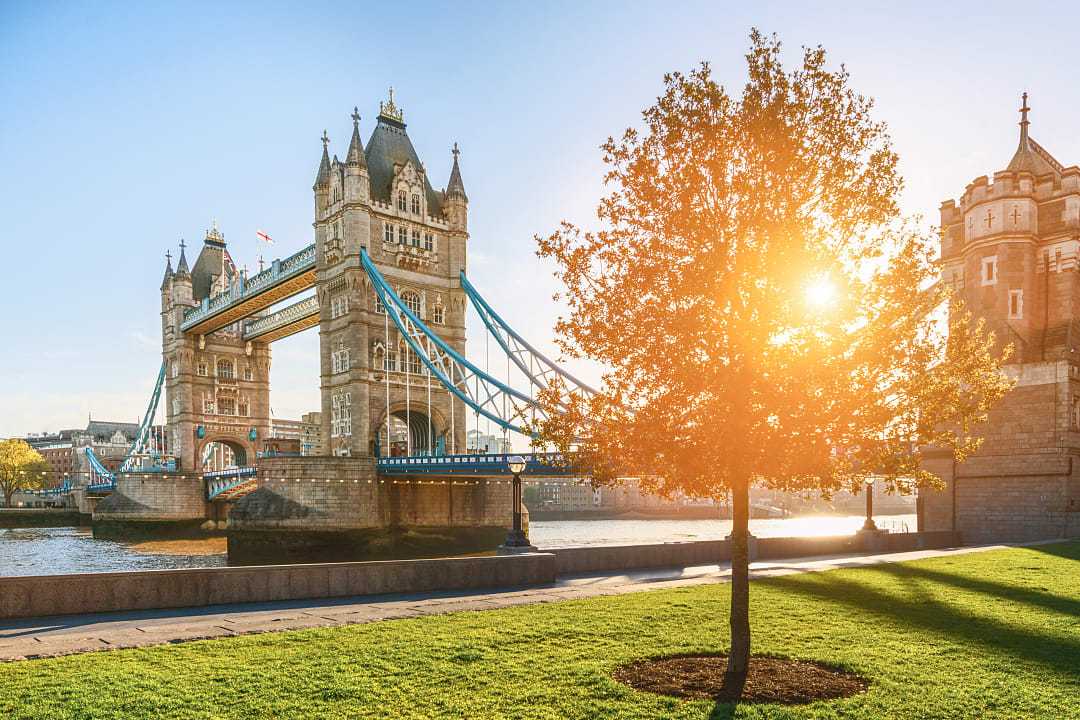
[411,427]
[218,452]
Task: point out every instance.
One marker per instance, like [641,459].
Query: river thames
[57,551]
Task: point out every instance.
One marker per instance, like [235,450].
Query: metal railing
[298,311]
[536,464]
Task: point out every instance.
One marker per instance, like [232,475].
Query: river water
[57,551]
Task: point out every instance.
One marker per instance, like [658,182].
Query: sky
[127,126]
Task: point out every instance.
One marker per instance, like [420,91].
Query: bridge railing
[279,270]
[304,308]
[222,481]
[546,464]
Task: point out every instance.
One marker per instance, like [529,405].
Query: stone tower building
[1010,250]
[380,199]
[217,386]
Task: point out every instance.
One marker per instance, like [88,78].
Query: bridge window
[249,374]
[226,406]
[379,307]
[174,368]
[416,204]
[429,241]
[242,408]
[225,369]
[1016,304]
[989,270]
[208,407]
[341,414]
[200,369]
[402,235]
[339,359]
[412,300]
[339,306]
[416,238]
[388,233]
[437,315]
[401,200]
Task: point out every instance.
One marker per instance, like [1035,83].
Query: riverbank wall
[41,517]
[108,592]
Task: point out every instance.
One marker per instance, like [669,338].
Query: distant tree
[764,312]
[21,468]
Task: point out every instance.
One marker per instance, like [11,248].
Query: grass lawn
[984,635]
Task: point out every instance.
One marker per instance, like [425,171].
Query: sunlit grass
[983,635]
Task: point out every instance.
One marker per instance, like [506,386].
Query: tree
[763,311]
[21,468]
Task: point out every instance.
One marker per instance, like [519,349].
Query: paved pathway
[64,635]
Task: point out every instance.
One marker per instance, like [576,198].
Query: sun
[820,292]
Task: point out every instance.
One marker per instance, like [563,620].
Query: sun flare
[821,292]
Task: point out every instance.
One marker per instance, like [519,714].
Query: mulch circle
[769,679]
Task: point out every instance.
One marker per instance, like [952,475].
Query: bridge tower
[217,386]
[380,199]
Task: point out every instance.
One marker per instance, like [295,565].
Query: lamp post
[516,540]
[869,523]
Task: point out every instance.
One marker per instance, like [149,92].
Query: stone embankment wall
[39,517]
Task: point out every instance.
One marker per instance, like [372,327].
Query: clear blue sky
[124,127]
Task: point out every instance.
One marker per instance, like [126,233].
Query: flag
[264,237]
[229,265]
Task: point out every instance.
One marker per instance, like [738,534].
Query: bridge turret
[457,202]
[357,180]
[322,179]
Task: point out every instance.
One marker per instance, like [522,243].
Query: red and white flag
[264,237]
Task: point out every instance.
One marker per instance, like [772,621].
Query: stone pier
[153,505]
[322,509]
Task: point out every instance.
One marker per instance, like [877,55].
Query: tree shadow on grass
[925,613]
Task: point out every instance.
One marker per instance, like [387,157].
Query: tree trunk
[739,658]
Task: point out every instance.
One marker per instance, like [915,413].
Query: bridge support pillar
[326,509]
[152,505]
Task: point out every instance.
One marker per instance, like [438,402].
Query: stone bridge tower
[217,386]
[1011,250]
[380,199]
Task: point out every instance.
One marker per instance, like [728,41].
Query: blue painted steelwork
[483,393]
[142,446]
[61,489]
[278,272]
[222,483]
[297,312]
[537,367]
[536,465]
[101,478]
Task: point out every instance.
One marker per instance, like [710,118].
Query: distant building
[475,441]
[311,438]
[65,451]
[286,429]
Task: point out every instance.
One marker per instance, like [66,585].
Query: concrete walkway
[67,634]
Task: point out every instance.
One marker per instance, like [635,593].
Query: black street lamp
[869,523]
[516,540]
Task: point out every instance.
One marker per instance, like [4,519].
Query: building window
[402,235]
[437,315]
[341,414]
[1016,304]
[412,361]
[208,407]
[225,369]
[174,368]
[429,241]
[416,204]
[416,238]
[339,306]
[339,359]
[200,369]
[989,270]
[379,307]
[401,200]
[249,374]
[242,408]
[226,406]
[1076,412]
[412,301]
[388,233]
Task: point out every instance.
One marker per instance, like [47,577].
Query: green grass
[983,635]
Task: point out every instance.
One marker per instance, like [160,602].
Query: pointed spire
[182,266]
[355,156]
[1030,156]
[1024,122]
[390,110]
[168,270]
[323,178]
[456,186]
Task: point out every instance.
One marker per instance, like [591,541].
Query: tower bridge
[385,283]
